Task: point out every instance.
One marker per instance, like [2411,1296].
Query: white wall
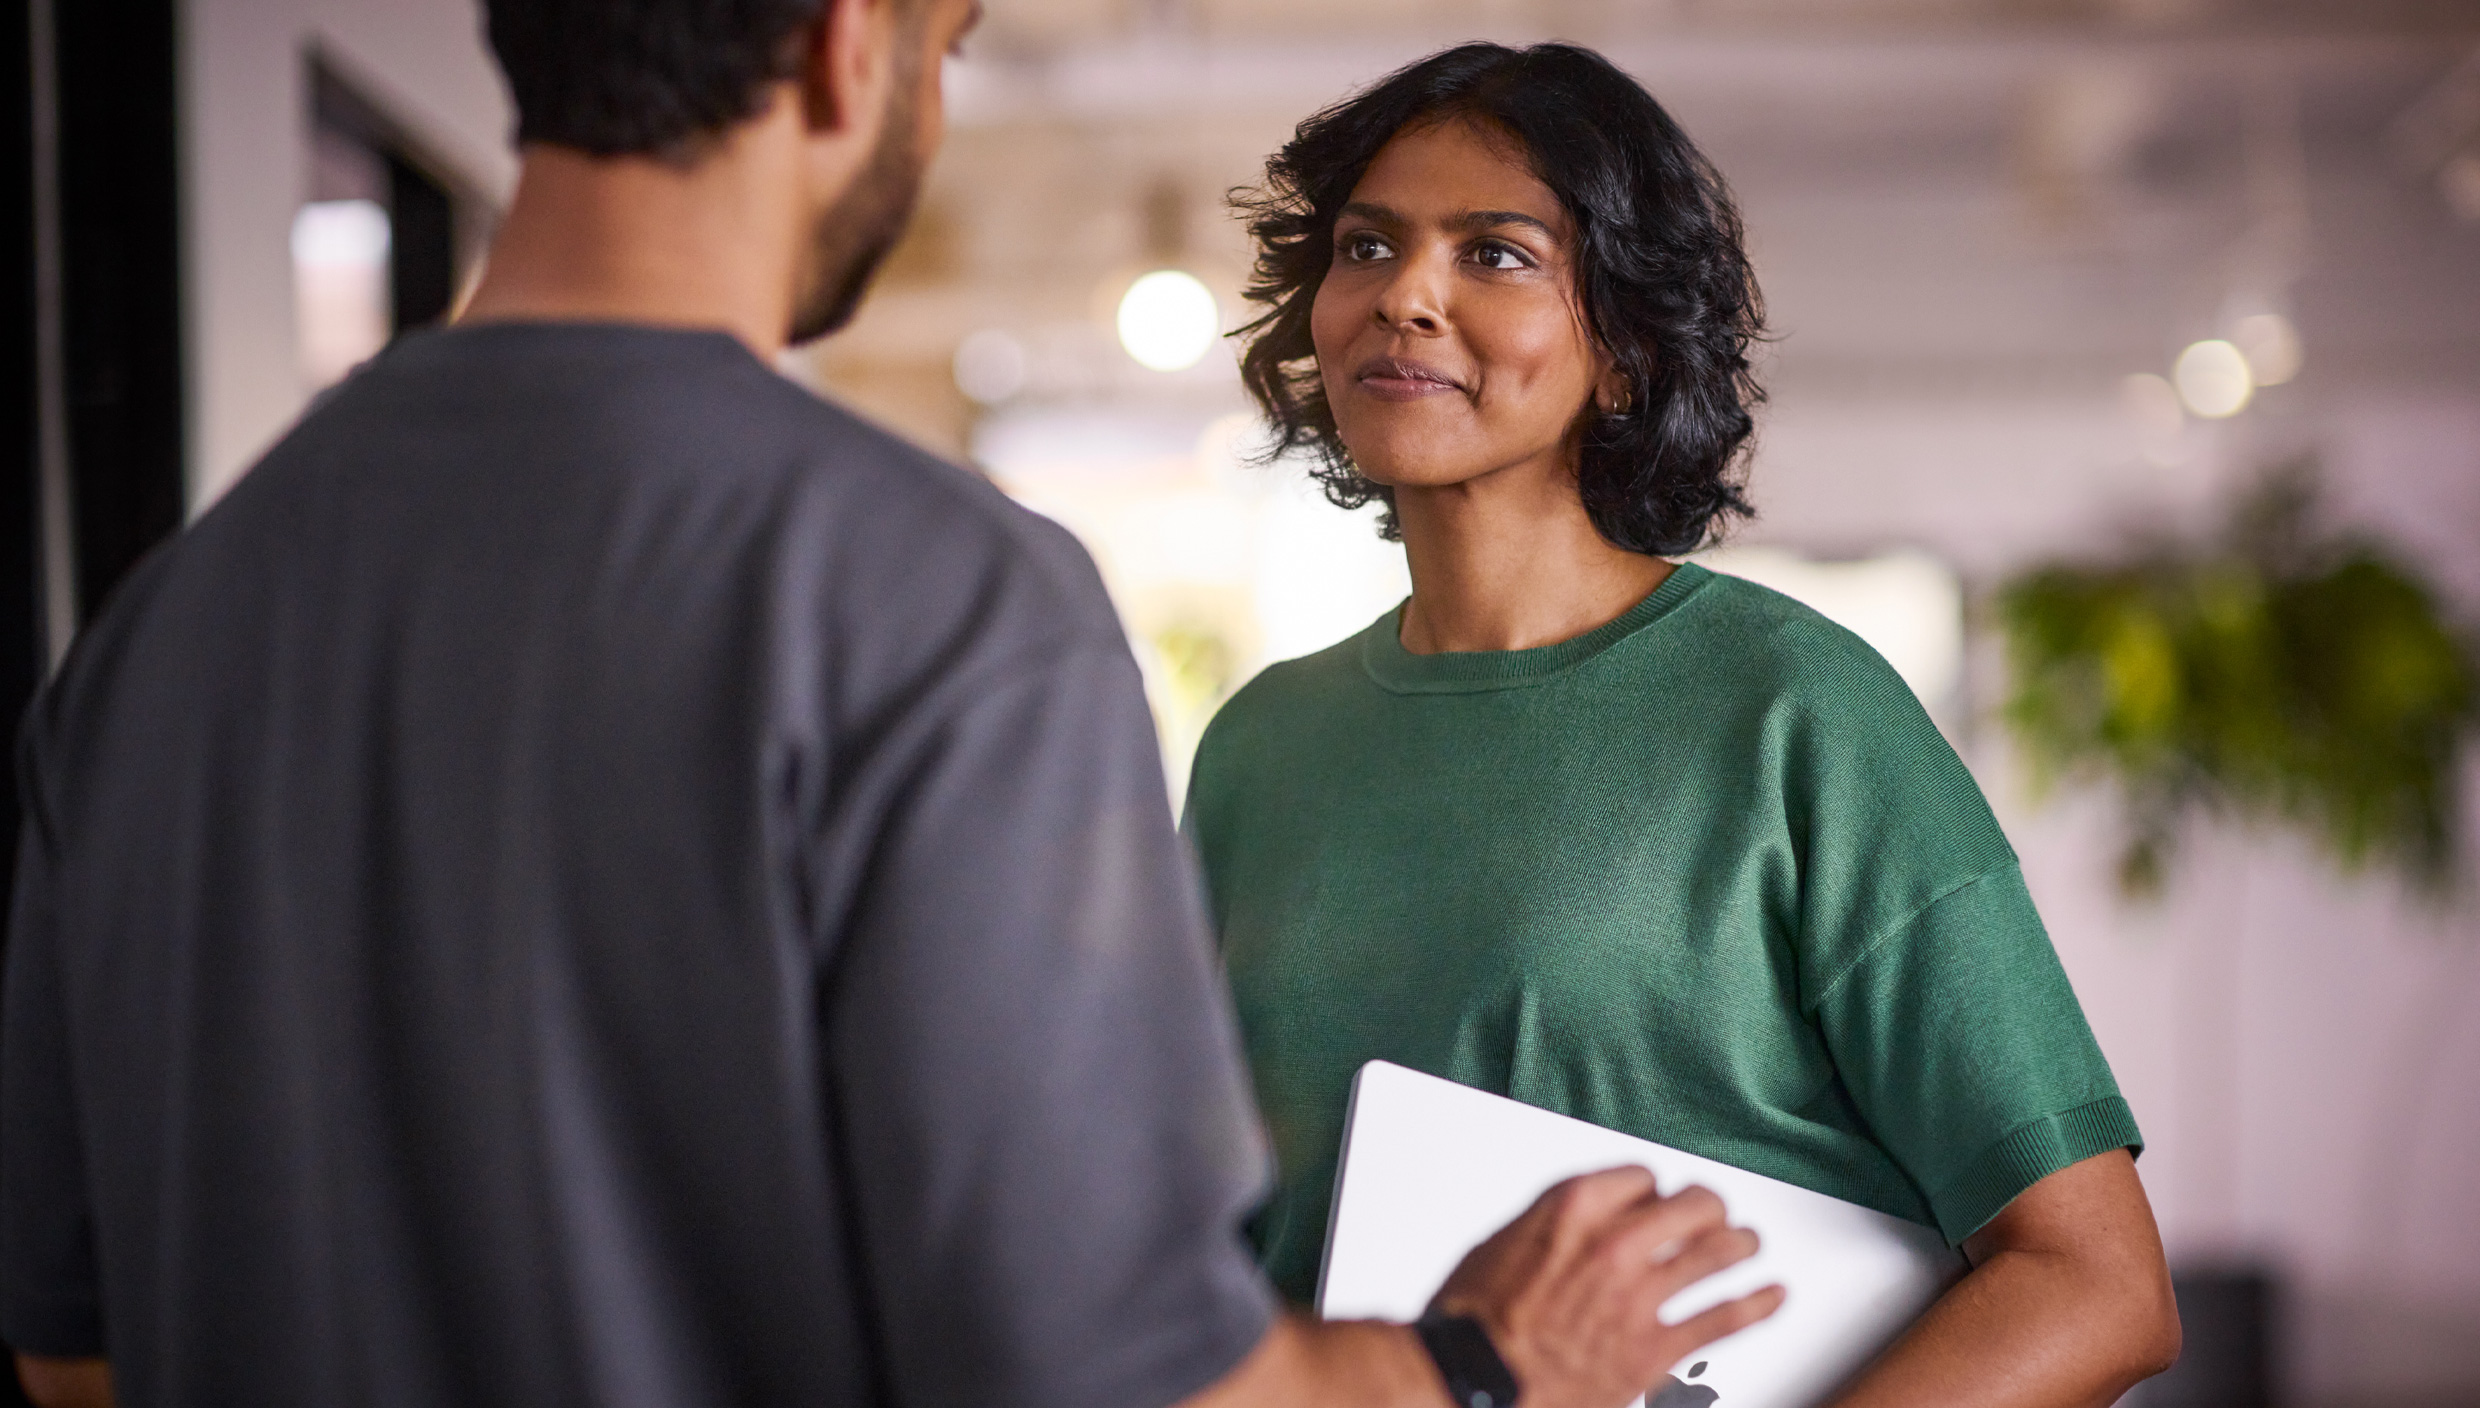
[246,110]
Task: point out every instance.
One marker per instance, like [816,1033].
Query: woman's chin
[1417,462]
[1428,474]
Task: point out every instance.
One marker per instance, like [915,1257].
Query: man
[594,877]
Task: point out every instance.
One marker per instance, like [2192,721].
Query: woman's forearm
[2068,1304]
[2028,1329]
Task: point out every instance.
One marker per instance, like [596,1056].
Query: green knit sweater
[1708,875]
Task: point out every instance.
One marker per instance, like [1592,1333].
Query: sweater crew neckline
[1400,671]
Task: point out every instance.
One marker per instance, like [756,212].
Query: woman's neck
[1510,562]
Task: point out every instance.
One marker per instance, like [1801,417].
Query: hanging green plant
[2272,672]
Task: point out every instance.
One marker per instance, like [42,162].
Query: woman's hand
[2068,1304]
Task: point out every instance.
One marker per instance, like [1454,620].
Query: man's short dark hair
[1660,272]
[643,77]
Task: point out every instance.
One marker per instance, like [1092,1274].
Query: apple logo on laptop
[1675,1394]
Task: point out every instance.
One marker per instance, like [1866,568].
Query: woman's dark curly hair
[1660,274]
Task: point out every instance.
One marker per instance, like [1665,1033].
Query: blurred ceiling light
[2271,345]
[990,366]
[1168,321]
[2213,379]
[343,306]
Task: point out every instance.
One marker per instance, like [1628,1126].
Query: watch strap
[1476,1377]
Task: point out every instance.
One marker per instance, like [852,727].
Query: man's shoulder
[903,512]
[645,422]
[862,470]
[673,474]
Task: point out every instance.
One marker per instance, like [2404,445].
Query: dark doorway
[436,223]
[94,409]
[21,634]
[114,73]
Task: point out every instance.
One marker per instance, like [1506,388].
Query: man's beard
[855,235]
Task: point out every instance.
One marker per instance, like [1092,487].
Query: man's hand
[1571,1292]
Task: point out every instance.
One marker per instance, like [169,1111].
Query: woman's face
[1447,330]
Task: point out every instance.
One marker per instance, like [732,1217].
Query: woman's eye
[1363,247]
[1498,256]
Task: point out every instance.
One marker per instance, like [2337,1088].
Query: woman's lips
[1395,379]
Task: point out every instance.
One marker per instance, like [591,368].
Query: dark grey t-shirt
[594,877]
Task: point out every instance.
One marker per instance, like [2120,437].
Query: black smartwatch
[1476,1377]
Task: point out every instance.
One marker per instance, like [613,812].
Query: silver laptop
[1430,1168]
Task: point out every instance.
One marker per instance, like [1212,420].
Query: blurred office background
[2045,274]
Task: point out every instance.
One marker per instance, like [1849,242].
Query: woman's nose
[1412,301]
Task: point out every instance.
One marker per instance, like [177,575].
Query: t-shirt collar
[1470,671]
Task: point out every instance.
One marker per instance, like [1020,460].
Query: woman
[1612,835]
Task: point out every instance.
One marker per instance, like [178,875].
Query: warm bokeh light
[1168,321]
[2271,345]
[990,366]
[2213,379]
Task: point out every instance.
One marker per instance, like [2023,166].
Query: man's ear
[846,57]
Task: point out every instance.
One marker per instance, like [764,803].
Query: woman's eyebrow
[1491,219]
[1469,220]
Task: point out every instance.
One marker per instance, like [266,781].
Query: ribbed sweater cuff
[1985,1185]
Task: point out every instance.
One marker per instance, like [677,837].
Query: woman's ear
[1615,393]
